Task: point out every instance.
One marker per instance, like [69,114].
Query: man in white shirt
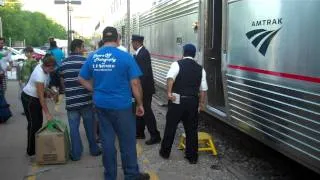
[186,88]
[5,59]
[120,45]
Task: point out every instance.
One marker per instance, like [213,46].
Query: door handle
[212,58]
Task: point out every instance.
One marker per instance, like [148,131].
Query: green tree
[33,27]
[15,4]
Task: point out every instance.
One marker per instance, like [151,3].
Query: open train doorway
[212,56]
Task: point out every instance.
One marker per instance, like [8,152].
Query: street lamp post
[70,26]
[68,2]
[68,33]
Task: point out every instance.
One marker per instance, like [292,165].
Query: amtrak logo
[261,36]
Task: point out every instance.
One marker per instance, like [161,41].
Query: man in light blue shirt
[115,77]
[59,57]
[57,53]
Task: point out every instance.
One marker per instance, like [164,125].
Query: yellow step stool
[204,140]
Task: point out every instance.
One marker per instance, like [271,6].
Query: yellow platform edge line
[139,149]
[153,175]
[34,168]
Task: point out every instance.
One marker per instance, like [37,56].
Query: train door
[212,56]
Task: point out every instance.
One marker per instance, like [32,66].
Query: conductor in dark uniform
[187,86]
[143,59]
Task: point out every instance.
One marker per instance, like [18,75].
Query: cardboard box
[52,144]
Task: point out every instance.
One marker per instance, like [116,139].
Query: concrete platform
[14,165]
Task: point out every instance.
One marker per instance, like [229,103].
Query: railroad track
[242,155]
[248,158]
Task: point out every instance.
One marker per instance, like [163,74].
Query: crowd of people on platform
[101,88]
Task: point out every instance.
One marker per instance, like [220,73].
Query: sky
[84,16]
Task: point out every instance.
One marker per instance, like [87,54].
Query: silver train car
[262,63]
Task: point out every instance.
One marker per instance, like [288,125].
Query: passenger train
[262,60]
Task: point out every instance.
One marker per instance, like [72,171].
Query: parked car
[16,56]
[38,53]
[19,56]
[20,48]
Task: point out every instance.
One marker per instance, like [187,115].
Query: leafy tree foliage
[33,27]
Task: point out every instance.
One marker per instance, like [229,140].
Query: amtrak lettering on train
[267,22]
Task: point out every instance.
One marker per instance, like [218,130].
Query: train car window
[217,25]
[210,24]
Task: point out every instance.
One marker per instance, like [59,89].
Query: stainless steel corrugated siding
[134,27]
[282,114]
[169,10]
[161,13]
[160,69]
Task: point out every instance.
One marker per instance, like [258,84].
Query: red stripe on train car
[279,74]
[166,56]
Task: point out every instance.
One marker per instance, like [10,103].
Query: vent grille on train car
[160,69]
[165,15]
[282,114]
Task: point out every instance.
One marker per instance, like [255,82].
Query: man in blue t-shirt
[115,76]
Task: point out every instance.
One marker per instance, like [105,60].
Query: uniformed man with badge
[186,88]
[142,57]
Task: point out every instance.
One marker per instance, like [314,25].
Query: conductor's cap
[136,37]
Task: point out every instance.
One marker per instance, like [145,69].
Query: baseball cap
[109,34]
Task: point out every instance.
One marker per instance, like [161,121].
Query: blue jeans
[122,124]
[88,121]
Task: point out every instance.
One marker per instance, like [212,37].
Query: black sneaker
[152,141]
[163,155]
[97,153]
[30,154]
[143,176]
[192,160]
